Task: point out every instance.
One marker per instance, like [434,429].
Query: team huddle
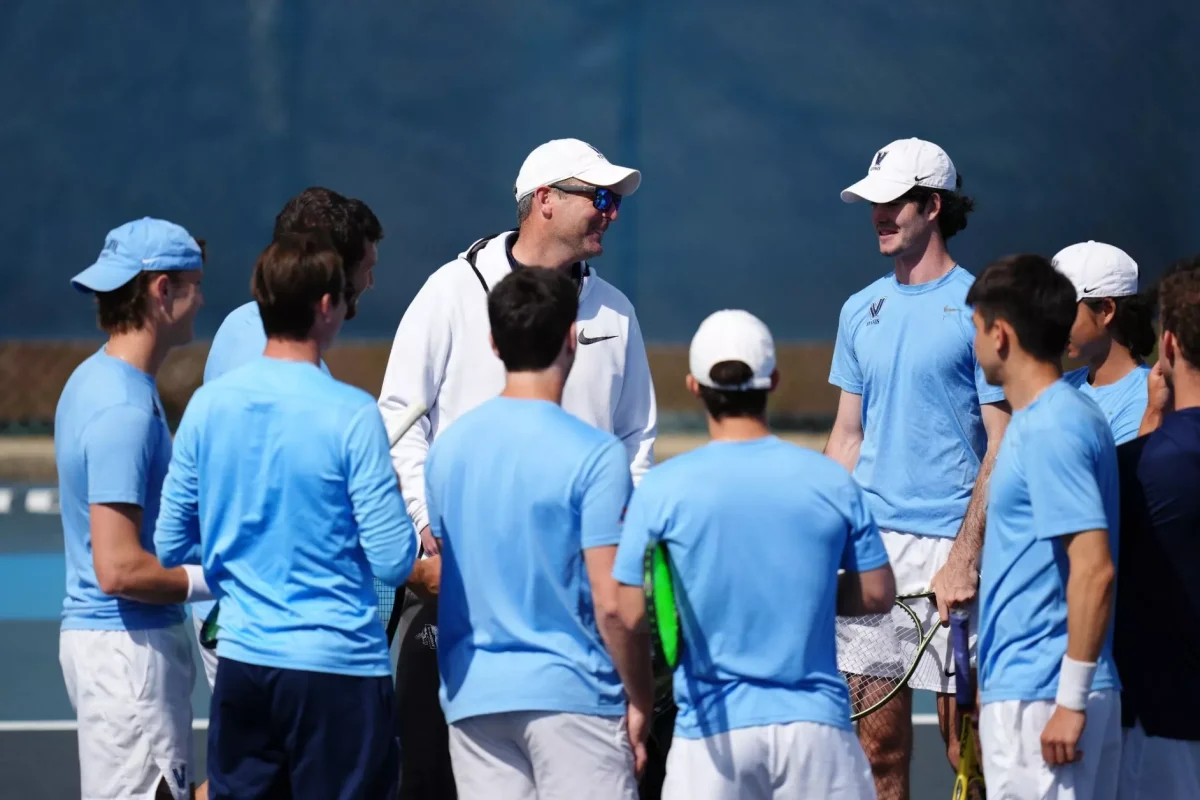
[504,482]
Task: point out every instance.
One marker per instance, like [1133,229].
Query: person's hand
[426,578]
[429,543]
[954,584]
[1160,399]
[1061,735]
[638,727]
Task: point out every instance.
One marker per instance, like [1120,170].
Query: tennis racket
[968,778]
[211,628]
[880,655]
[661,611]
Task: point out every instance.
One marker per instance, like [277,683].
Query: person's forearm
[849,595]
[1089,609]
[1152,420]
[857,597]
[142,578]
[843,448]
[630,651]
[969,542]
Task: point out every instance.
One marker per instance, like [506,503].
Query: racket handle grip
[960,639]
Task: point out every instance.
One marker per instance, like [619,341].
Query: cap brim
[101,277]
[875,189]
[622,180]
[754,384]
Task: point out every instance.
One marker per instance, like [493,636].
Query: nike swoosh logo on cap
[585,339]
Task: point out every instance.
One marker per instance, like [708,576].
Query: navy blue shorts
[285,733]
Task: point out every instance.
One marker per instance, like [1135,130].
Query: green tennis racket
[661,610]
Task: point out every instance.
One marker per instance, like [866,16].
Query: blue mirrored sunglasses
[602,198]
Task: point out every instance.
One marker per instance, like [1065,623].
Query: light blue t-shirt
[909,352]
[756,532]
[283,475]
[1055,474]
[111,445]
[517,490]
[240,340]
[1123,402]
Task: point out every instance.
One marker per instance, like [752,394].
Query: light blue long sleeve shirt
[282,474]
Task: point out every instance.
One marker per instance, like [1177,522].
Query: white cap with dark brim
[732,335]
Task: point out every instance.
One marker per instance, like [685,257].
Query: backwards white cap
[900,166]
[733,335]
[1098,270]
[560,159]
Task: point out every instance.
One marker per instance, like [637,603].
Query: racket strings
[875,653]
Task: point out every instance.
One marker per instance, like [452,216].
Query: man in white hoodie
[568,194]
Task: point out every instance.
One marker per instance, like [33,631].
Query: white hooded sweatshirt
[442,357]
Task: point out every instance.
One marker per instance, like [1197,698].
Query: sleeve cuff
[1055,531]
[842,383]
[130,497]
[627,576]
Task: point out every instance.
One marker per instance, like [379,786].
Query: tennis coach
[568,194]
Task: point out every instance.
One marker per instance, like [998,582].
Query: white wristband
[197,587]
[1074,683]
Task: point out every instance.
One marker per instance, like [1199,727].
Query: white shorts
[132,695]
[207,657]
[1010,734]
[800,759]
[1153,768]
[523,754]
[915,560]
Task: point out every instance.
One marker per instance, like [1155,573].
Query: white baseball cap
[900,166]
[733,335]
[1098,270]
[560,159]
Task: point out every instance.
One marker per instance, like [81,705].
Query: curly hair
[350,224]
[1179,306]
[952,217]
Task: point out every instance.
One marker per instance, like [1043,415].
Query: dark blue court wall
[1069,120]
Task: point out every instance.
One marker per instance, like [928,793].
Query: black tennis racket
[876,661]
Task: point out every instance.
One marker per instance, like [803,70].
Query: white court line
[45,725]
[54,725]
[6,499]
[41,501]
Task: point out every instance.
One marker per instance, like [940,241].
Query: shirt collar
[578,270]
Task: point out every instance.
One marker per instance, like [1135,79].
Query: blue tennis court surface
[37,740]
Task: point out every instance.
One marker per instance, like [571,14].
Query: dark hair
[124,308]
[371,228]
[531,312]
[1179,306]
[350,224]
[723,403]
[290,278]
[1028,293]
[952,217]
[1132,324]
